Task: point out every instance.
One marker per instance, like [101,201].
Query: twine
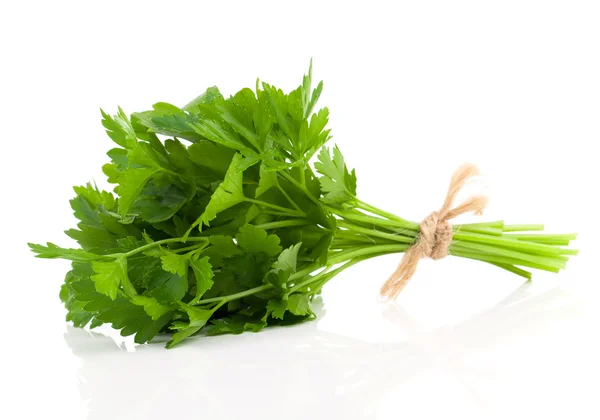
[435,234]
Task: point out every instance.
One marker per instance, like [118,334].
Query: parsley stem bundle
[220,223]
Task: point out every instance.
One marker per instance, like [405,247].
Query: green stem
[478,229]
[372,232]
[229,298]
[379,212]
[507,242]
[316,287]
[302,175]
[500,259]
[284,223]
[305,271]
[540,238]
[363,251]
[276,213]
[323,275]
[189,248]
[496,224]
[522,228]
[299,186]
[344,236]
[557,261]
[389,224]
[516,270]
[217,306]
[157,243]
[276,207]
[288,198]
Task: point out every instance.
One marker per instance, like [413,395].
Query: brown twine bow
[435,232]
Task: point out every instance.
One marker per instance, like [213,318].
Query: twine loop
[435,234]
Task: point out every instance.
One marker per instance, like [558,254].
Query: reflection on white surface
[304,372]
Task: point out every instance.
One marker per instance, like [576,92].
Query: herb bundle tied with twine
[219,222]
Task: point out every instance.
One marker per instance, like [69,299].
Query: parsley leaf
[287,260]
[337,183]
[236,324]
[168,287]
[110,275]
[54,251]
[204,276]
[256,241]
[228,193]
[175,263]
[152,307]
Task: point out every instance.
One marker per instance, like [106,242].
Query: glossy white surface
[415,89]
[314,371]
[502,349]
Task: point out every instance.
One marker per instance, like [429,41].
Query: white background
[414,89]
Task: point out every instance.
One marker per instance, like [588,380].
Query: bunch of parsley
[221,224]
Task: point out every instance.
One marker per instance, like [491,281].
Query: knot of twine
[435,233]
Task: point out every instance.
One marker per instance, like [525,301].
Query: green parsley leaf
[168,287]
[256,241]
[131,184]
[287,260]
[152,307]
[338,185]
[198,317]
[268,180]
[204,276]
[235,325]
[119,129]
[169,120]
[54,251]
[181,335]
[213,157]
[110,275]
[277,308]
[299,304]
[228,193]
[175,263]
